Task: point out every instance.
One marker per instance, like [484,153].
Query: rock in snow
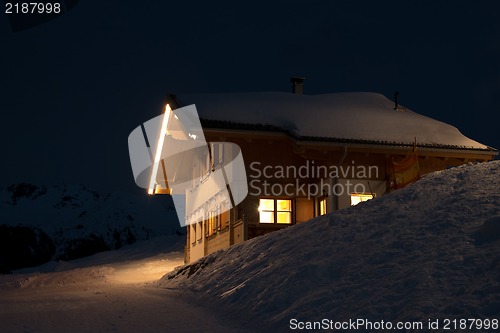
[429,251]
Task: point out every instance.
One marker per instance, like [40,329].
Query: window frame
[217,153]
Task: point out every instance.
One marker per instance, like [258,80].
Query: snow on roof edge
[216,124]
[367,117]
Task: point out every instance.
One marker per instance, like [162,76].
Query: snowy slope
[429,251]
[79,221]
[354,116]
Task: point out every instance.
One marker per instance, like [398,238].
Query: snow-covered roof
[345,117]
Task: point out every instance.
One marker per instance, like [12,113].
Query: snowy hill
[39,223]
[429,251]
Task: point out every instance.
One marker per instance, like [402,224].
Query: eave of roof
[228,125]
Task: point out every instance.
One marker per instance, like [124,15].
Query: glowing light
[159,148]
[192,136]
[356,198]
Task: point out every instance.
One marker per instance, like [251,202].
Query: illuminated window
[275,211]
[284,211]
[211,223]
[266,210]
[193,233]
[224,217]
[356,198]
[217,218]
[322,206]
[214,221]
[199,232]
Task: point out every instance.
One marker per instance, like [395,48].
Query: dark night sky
[74,88]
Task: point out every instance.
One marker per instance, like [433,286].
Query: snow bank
[429,251]
[353,116]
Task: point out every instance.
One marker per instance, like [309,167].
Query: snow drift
[429,251]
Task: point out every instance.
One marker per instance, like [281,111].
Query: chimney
[396,105]
[297,85]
